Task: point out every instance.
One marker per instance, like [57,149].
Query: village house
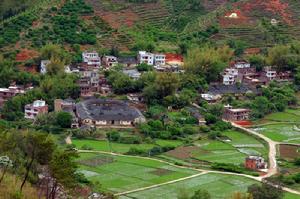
[92,59]
[135,97]
[238,64]
[228,79]
[151,58]
[145,57]
[159,59]
[230,76]
[255,163]
[108,113]
[36,108]
[238,114]
[11,91]
[109,61]
[269,73]
[210,98]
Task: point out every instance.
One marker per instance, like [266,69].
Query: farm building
[107,113]
[232,114]
[255,163]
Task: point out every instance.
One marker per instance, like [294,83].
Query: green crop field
[234,149]
[117,174]
[289,115]
[218,185]
[102,145]
[288,133]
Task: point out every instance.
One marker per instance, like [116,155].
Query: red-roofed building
[174,59]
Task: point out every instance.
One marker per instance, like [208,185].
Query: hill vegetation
[155,25]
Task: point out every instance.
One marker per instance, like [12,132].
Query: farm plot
[288,133]
[289,115]
[103,145]
[289,152]
[234,148]
[218,185]
[117,174]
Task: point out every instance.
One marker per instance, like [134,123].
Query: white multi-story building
[242,64]
[270,73]
[145,57]
[228,79]
[36,108]
[159,59]
[91,59]
[231,71]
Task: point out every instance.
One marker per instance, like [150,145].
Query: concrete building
[255,163]
[238,114]
[109,61]
[36,108]
[108,113]
[10,92]
[145,57]
[91,59]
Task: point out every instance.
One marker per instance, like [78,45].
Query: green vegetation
[117,173]
[219,186]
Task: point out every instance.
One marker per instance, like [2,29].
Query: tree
[63,169]
[265,191]
[201,194]
[166,84]
[37,148]
[56,66]
[277,56]
[207,62]
[64,119]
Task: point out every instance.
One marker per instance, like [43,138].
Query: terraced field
[233,147]
[281,127]
[218,185]
[118,174]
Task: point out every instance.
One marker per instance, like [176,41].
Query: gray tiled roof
[103,109]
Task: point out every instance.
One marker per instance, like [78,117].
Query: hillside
[161,24]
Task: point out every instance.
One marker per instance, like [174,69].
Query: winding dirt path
[272,170]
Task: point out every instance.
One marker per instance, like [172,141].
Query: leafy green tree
[38,148]
[207,62]
[63,169]
[166,84]
[64,119]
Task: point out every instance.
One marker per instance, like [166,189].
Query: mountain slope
[139,24]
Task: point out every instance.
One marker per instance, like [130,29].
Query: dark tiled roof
[102,109]
[230,89]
